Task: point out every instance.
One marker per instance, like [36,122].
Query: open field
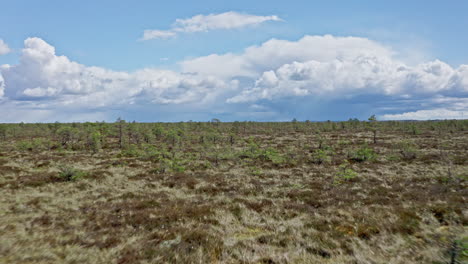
[296,192]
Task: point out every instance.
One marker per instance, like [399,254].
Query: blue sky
[235,60]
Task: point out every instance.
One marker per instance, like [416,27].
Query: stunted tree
[134,133]
[67,135]
[147,135]
[121,126]
[173,136]
[96,141]
[216,122]
[372,119]
[158,131]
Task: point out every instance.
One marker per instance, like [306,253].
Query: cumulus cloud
[357,76]
[433,114]
[330,67]
[204,23]
[43,75]
[274,53]
[4,49]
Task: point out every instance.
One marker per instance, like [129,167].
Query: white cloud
[275,53]
[4,49]
[440,113]
[157,34]
[204,23]
[42,75]
[361,75]
[227,20]
[331,67]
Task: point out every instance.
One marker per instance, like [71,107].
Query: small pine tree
[96,142]
[373,120]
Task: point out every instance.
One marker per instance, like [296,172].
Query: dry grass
[238,209]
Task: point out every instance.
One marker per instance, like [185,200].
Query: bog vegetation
[239,192]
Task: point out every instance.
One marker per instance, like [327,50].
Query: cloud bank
[428,114]
[205,23]
[41,75]
[276,80]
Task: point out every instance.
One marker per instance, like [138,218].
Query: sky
[170,61]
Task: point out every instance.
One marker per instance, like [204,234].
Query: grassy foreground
[297,192]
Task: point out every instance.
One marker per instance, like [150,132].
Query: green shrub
[177,166]
[68,135]
[321,156]
[344,173]
[68,173]
[254,151]
[170,165]
[154,155]
[36,144]
[132,151]
[271,155]
[414,130]
[363,154]
[173,136]
[159,131]
[96,141]
[148,136]
[24,145]
[463,244]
